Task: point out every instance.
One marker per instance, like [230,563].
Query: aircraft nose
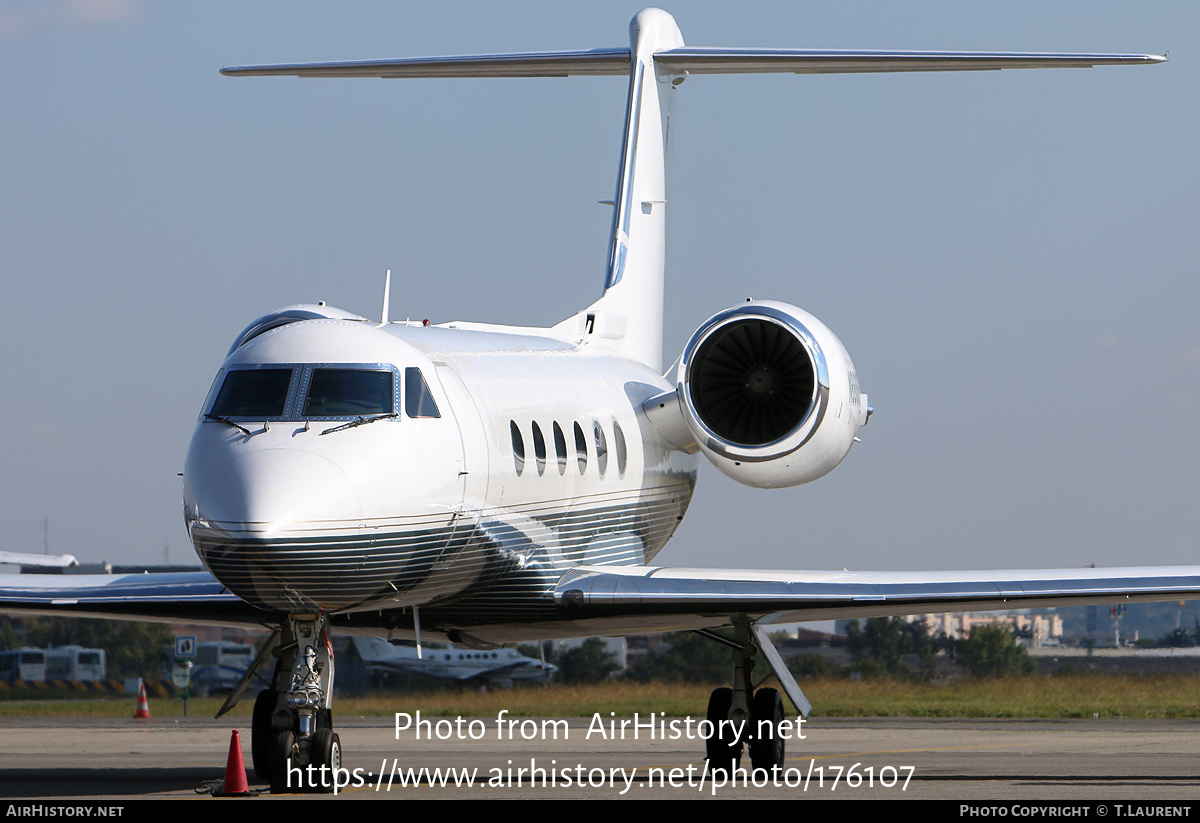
[271,490]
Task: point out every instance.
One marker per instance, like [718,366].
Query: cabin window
[619,445]
[580,448]
[518,446]
[560,449]
[539,448]
[258,393]
[347,392]
[601,447]
[418,401]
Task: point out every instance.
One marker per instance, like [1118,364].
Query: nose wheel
[325,753]
[283,755]
[261,732]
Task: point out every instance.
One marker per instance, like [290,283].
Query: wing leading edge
[191,597]
[600,592]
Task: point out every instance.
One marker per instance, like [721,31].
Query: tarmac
[92,759]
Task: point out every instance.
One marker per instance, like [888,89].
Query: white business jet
[484,484]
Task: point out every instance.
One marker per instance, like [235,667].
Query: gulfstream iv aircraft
[483,484]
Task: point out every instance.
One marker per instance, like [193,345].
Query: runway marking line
[912,751]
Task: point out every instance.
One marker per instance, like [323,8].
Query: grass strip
[1068,696]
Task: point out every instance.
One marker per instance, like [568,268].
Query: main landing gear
[292,740]
[744,717]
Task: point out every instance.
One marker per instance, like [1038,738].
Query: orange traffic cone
[143,707]
[235,770]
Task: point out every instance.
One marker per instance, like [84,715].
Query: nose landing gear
[292,739]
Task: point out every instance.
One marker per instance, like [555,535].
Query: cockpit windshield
[300,391]
[343,392]
[253,393]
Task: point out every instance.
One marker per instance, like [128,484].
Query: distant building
[1041,629]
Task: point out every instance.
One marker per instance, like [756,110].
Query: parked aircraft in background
[58,561]
[483,484]
[499,667]
[216,667]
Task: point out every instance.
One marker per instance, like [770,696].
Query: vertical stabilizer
[628,318]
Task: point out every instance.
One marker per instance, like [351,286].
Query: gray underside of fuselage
[481,567]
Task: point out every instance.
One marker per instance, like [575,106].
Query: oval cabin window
[601,447]
[539,448]
[560,449]
[518,446]
[619,445]
[580,449]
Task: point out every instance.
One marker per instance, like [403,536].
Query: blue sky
[1010,257]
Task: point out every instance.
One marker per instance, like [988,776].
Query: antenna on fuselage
[387,293]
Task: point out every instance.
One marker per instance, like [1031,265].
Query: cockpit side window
[418,401]
[260,393]
[212,391]
[343,392]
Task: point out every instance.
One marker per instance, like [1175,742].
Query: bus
[76,664]
[23,664]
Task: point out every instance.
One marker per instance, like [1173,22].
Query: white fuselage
[537,462]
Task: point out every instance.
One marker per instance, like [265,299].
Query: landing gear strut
[292,739]
[742,716]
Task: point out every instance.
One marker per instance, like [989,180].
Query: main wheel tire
[283,750]
[723,748]
[767,744]
[261,733]
[325,754]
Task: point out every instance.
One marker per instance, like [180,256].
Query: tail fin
[628,317]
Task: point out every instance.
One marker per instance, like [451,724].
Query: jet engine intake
[767,392]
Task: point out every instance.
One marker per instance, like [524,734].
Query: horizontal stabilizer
[693,60]
[816,61]
[531,64]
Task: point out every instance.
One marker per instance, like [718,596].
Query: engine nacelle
[767,392]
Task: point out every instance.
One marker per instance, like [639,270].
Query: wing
[617,599]
[193,597]
[661,595]
[627,599]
